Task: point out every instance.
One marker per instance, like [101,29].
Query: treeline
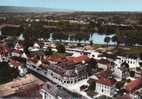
[62,29]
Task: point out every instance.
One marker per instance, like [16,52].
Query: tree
[60,48]
[49,51]
[92,87]
[107,40]
[7,73]
[114,38]
[91,42]
[120,37]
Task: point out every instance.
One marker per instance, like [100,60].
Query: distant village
[71,69]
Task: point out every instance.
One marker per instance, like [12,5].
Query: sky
[81,5]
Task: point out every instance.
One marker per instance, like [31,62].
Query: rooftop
[59,91]
[106,81]
[133,85]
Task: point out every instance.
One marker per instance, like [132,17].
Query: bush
[60,48]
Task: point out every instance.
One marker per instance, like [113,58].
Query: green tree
[60,48]
[49,51]
[114,39]
[91,42]
[92,87]
[107,40]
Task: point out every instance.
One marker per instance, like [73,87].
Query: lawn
[62,54]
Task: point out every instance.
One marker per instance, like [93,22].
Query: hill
[15,9]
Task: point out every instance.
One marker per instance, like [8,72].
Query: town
[67,70]
[70,54]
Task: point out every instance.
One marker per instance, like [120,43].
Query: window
[102,90]
[68,81]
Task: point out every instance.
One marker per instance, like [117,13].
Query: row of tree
[129,38]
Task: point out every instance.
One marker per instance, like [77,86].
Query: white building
[105,86]
[133,62]
[53,91]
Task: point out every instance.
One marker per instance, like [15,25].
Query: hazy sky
[85,5]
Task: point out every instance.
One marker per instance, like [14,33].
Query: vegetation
[7,73]
[49,51]
[60,48]
[62,27]
[115,39]
[91,42]
[129,37]
[62,54]
[107,40]
[92,87]
[120,84]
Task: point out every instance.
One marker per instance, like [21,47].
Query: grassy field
[62,54]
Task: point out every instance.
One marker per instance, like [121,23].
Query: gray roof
[58,91]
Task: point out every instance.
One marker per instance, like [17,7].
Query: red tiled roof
[79,59]
[74,60]
[133,85]
[106,81]
[57,58]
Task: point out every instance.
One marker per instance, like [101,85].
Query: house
[105,86]
[16,53]
[104,64]
[18,50]
[18,46]
[133,62]
[34,48]
[122,72]
[21,37]
[53,91]
[18,63]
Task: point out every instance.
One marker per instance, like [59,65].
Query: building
[105,86]
[53,91]
[104,64]
[62,70]
[133,62]
[122,72]
[133,85]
